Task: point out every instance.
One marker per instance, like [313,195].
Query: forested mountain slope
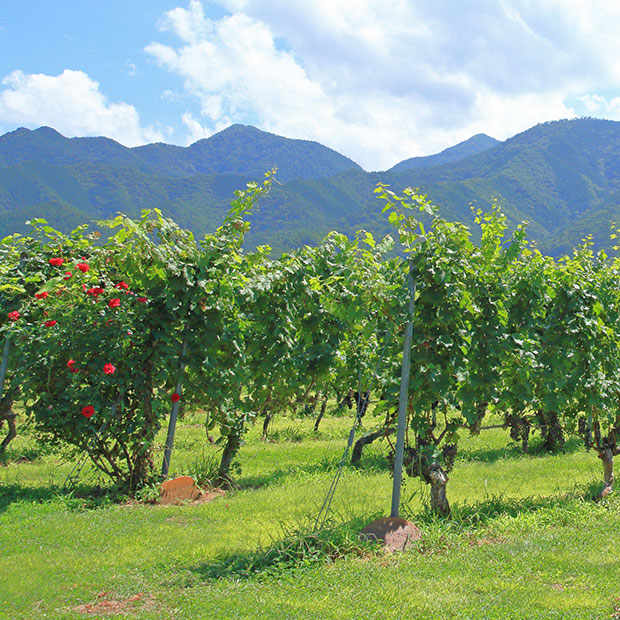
[562,177]
[476,144]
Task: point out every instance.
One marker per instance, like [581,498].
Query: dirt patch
[107,604]
[208,495]
[476,541]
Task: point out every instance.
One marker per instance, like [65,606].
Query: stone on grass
[178,491]
[395,534]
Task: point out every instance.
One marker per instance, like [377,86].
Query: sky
[377,80]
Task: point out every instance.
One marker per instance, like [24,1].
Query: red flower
[13,316]
[94,291]
[88,411]
[109,369]
[114,303]
[122,285]
[83,267]
[42,295]
[71,366]
[50,323]
[67,275]
[176,397]
[142,300]
[56,262]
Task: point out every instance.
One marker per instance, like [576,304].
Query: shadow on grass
[467,516]
[82,497]
[375,459]
[514,451]
[298,548]
[23,455]
[280,475]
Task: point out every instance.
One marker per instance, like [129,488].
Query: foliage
[497,328]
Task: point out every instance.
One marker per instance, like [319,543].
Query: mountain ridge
[476,144]
[220,153]
[563,177]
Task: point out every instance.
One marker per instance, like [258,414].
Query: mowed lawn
[525,540]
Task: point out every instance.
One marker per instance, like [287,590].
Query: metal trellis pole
[402,403]
[173,415]
[5,363]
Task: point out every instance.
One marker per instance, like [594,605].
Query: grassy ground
[525,541]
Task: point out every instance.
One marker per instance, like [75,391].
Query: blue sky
[377,80]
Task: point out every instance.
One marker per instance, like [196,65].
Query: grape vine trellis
[105,336]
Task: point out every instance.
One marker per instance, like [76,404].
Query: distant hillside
[239,149]
[551,175]
[476,144]
[562,177]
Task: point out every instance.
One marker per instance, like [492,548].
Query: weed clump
[298,548]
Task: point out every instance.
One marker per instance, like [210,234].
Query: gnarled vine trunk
[6,414]
[321,413]
[607,456]
[366,440]
[230,450]
[551,430]
[266,423]
[439,500]
[141,466]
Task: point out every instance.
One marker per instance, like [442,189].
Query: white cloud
[195,130]
[381,80]
[599,105]
[71,103]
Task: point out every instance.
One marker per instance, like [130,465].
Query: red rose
[176,397]
[109,369]
[122,285]
[71,366]
[94,291]
[83,267]
[88,411]
[42,295]
[142,300]
[50,323]
[56,262]
[13,316]
[114,303]
[67,275]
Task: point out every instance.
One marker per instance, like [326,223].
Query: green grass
[525,539]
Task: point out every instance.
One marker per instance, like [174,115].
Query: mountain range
[563,177]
